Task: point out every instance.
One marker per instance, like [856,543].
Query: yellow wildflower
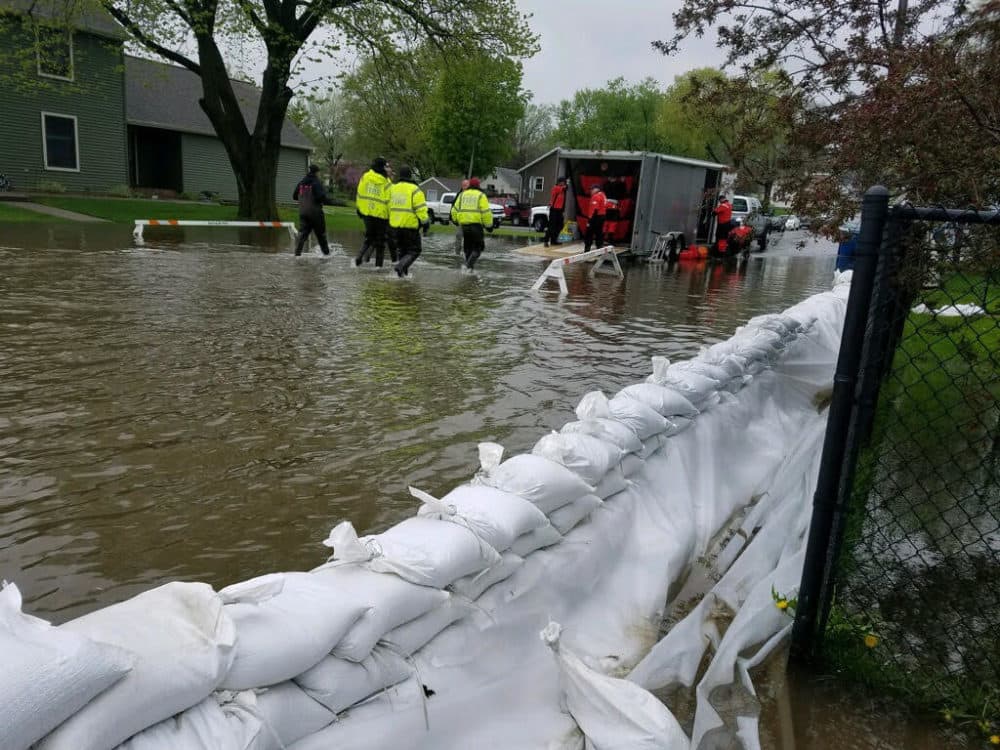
[995,739]
[781,604]
[871,640]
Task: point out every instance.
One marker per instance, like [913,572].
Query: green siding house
[75,110]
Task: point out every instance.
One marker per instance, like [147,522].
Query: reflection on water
[207,408]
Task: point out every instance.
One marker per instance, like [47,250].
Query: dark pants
[473,243]
[554,226]
[315,224]
[377,236]
[408,241]
[722,232]
[595,233]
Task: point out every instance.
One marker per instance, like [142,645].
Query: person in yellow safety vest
[407,213]
[471,211]
[372,203]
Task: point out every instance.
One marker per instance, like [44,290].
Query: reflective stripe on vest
[407,207]
[373,195]
[472,207]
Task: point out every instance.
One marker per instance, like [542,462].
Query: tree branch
[146,41]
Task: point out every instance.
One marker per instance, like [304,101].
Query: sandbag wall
[272,661]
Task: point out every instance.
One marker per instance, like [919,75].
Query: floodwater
[206,407]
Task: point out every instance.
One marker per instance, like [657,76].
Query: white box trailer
[653,194]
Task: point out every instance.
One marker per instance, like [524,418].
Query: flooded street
[207,406]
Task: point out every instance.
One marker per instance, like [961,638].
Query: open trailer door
[642,238]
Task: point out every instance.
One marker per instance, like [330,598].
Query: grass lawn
[11,213]
[127,210]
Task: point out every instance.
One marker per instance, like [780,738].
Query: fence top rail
[939,213]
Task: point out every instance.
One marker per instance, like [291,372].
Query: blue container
[848,243]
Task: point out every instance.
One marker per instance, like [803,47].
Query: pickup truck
[440,211]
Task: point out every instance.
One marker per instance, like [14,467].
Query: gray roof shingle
[159,95]
[92,19]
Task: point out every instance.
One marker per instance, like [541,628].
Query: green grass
[11,213]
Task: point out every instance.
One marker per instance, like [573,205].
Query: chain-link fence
[902,581]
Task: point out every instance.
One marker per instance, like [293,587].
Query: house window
[55,54]
[431,195]
[537,184]
[60,145]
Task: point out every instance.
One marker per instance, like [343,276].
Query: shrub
[51,186]
[120,191]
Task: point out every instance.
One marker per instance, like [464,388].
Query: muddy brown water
[206,407]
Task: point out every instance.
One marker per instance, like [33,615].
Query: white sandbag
[664,401]
[715,372]
[287,714]
[696,388]
[571,515]
[183,642]
[613,714]
[543,483]
[588,456]
[338,683]
[424,551]
[48,674]
[471,587]
[676,425]
[391,601]
[608,430]
[631,464]
[495,516]
[651,445]
[411,636]
[207,726]
[613,483]
[285,623]
[542,537]
[641,419]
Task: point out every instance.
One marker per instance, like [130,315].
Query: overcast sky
[586,43]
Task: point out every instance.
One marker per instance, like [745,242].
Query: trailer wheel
[539,223]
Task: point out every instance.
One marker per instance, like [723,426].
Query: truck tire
[539,223]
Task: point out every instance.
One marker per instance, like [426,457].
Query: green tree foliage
[200,35]
[534,134]
[682,128]
[473,113]
[619,116]
[892,91]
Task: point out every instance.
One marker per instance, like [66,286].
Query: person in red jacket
[557,204]
[595,220]
[724,216]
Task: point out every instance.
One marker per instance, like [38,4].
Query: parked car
[776,222]
[747,210]
[440,211]
[793,223]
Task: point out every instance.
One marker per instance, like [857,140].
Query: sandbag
[544,536]
[471,587]
[588,456]
[338,683]
[545,484]
[424,551]
[609,430]
[183,643]
[207,726]
[651,445]
[631,464]
[285,623]
[666,402]
[286,713]
[613,714]
[413,635]
[48,673]
[613,483]
[573,514]
[495,516]
[391,601]
[694,388]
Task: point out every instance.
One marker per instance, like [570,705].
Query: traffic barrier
[141,224]
[601,255]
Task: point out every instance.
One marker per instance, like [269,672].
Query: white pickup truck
[440,211]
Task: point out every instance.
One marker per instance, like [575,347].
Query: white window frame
[537,184]
[72,63]
[45,143]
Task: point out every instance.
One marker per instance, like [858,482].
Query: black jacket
[311,195]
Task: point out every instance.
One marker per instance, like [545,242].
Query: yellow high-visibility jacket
[471,207]
[373,195]
[407,206]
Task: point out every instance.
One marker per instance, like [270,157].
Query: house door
[155,159]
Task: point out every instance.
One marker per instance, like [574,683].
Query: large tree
[325,123]
[289,33]
[619,116]
[893,91]
[533,135]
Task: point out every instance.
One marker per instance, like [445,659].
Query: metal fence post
[815,589]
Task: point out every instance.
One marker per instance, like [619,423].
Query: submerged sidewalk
[59,213]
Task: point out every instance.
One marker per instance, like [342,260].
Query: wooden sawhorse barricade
[602,256]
